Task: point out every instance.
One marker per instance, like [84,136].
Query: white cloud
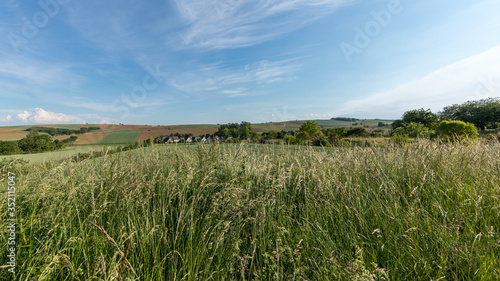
[473,78]
[23,116]
[239,23]
[40,116]
[7,119]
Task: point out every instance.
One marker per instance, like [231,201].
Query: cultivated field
[423,211]
[124,136]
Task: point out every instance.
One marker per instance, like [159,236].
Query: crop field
[261,212]
[53,155]
[125,136]
[11,133]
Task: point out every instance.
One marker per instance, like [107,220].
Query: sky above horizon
[207,62]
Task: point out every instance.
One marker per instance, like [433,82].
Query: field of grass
[260,212]
[53,155]
[126,136]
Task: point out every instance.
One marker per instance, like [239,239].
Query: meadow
[425,211]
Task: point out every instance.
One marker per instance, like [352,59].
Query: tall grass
[259,212]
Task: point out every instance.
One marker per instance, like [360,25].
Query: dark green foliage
[397,124]
[413,130]
[244,129]
[422,116]
[61,131]
[333,134]
[358,132]
[303,137]
[320,140]
[37,143]
[481,113]
[9,147]
[69,140]
[345,119]
[255,137]
[272,134]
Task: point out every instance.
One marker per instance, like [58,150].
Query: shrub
[341,143]
[413,130]
[400,139]
[358,132]
[9,147]
[289,139]
[452,130]
[321,140]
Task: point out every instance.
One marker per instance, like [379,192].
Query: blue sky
[218,61]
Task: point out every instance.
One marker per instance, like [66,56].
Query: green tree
[422,116]
[396,124]
[303,137]
[320,140]
[450,130]
[233,132]
[255,136]
[289,139]
[270,135]
[245,132]
[33,132]
[9,147]
[334,134]
[310,127]
[413,130]
[225,133]
[36,143]
[481,113]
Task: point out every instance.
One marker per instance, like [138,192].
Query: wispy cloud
[230,79]
[472,78]
[239,23]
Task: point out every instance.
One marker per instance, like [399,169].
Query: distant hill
[124,134]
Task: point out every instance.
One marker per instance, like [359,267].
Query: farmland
[125,136]
[424,211]
[51,156]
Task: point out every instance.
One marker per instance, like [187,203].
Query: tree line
[33,143]
[61,131]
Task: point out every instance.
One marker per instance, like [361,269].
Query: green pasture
[126,136]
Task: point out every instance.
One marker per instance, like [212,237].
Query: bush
[358,132]
[9,147]
[321,141]
[453,130]
[400,139]
[289,139]
[234,140]
[413,130]
[36,143]
[341,143]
